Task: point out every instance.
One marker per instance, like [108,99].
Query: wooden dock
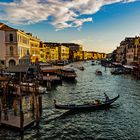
[14,122]
[16,117]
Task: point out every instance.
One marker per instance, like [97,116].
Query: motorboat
[98,72]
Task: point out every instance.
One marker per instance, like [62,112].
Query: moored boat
[67,73]
[117,71]
[81,68]
[28,87]
[93,62]
[49,74]
[98,72]
[93,106]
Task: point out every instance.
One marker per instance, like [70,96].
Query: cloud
[78,41]
[64,13]
[126,1]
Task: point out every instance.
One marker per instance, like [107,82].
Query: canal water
[120,122]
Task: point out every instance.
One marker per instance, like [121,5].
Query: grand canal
[120,122]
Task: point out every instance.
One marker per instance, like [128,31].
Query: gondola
[89,106]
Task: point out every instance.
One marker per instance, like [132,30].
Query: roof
[128,66]
[68,69]
[44,64]
[18,68]
[1,24]
[6,27]
[4,78]
[115,63]
[48,69]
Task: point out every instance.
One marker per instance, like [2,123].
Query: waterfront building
[16,45]
[113,56]
[137,50]
[103,55]
[118,56]
[73,51]
[63,54]
[47,52]
[64,51]
[121,53]
[23,47]
[34,45]
[8,43]
[52,51]
[130,51]
[20,47]
[123,47]
[109,55]
[97,55]
[84,55]
[78,54]
[90,55]
[127,52]
[43,52]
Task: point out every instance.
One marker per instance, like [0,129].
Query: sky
[99,25]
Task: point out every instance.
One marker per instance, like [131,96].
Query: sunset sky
[99,25]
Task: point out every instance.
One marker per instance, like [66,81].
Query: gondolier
[106,97]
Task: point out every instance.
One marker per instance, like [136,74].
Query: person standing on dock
[15,107]
[48,82]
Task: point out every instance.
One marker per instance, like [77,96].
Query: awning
[128,66]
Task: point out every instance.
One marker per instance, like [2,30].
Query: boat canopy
[128,67]
[69,69]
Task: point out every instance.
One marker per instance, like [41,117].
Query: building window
[28,52]
[12,63]
[11,50]
[11,37]
[1,62]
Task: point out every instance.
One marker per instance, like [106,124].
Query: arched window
[11,50]
[11,37]
[12,63]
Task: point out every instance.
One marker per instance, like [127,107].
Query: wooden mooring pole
[21,111]
[0,110]
[37,113]
[37,107]
[40,104]
[49,85]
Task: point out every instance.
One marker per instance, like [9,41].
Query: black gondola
[91,106]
